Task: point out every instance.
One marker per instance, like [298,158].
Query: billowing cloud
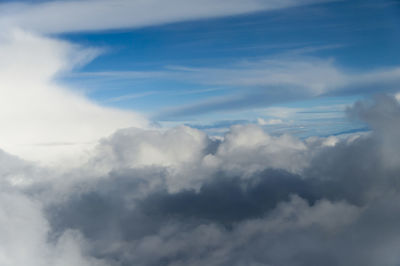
[41,120]
[179,197]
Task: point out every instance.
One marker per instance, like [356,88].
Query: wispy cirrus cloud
[129,97]
[261,82]
[266,82]
[89,15]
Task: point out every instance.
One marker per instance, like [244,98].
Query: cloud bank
[179,197]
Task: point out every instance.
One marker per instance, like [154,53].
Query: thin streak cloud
[54,16]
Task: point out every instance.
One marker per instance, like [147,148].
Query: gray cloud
[177,197]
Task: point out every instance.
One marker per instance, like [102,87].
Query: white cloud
[309,76]
[263,122]
[312,76]
[397,96]
[40,119]
[90,15]
[191,156]
[247,149]
[261,83]
[281,112]
[137,147]
[25,231]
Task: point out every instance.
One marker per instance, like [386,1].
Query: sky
[212,70]
[206,65]
[199,132]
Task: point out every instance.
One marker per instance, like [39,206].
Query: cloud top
[179,197]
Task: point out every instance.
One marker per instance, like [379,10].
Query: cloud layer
[179,197]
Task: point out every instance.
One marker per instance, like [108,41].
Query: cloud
[263,122]
[262,83]
[55,16]
[25,229]
[383,115]
[179,197]
[41,119]
[246,199]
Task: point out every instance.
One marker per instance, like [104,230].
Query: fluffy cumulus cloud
[180,197]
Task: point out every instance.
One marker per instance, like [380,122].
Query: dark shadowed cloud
[178,197]
[248,199]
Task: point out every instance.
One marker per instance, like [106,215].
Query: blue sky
[233,67]
[151,69]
